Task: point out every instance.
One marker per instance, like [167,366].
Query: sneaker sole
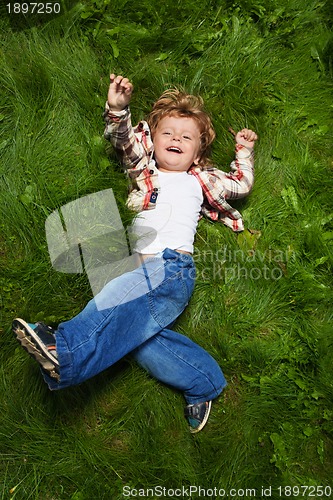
[33,345]
[204,422]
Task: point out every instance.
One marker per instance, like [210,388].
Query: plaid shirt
[136,150]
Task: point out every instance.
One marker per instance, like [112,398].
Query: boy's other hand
[246,137]
[120,92]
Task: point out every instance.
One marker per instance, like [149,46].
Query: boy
[167,160]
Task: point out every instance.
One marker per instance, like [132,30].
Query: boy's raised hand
[120,92]
[246,137]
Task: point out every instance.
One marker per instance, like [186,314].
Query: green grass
[263,299]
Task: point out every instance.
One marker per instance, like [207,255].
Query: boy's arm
[239,181]
[219,186]
[118,126]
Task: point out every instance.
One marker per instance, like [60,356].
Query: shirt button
[147,132]
[151,172]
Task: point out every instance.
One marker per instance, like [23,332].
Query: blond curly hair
[176,102]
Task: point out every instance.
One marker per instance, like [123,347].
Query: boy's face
[176,143]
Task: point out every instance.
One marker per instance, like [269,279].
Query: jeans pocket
[169,300]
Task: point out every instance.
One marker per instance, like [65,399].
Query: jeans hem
[209,397]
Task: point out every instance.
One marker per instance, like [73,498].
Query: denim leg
[177,361]
[126,313]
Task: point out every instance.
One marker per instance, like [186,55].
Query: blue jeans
[131,315]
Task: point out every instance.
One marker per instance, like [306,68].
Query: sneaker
[197,415]
[39,341]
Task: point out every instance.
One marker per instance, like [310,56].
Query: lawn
[262,305]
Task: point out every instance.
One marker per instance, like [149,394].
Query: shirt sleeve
[238,182]
[119,131]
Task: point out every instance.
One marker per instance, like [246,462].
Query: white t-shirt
[173,222]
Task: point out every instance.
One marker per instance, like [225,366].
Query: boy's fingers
[129,88]
[115,78]
[126,85]
[253,136]
[120,80]
[248,134]
[123,84]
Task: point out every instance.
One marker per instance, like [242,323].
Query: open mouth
[174,149]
